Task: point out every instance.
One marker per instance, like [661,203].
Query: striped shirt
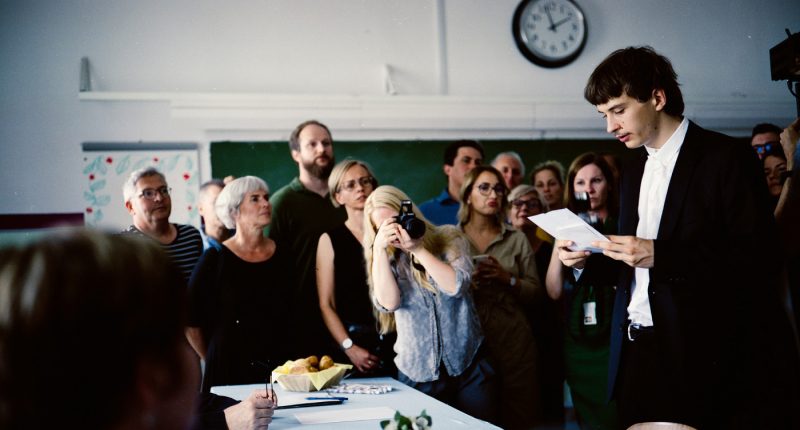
[184,251]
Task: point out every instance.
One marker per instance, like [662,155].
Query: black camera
[784,58]
[410,223]
[583,208]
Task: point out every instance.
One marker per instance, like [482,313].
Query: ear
[447,169]
[659,99]
[129,207]
[295,156]
[337,198]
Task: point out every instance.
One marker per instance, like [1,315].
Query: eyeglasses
[529,204]
[765,149]
[485,189]
[364,181]
[150,194]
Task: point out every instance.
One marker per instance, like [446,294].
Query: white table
[407,400]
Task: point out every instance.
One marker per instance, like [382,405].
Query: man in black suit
[700,337]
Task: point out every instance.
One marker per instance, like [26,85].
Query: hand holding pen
[253,412]
[270,393]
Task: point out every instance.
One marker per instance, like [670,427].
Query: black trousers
[647,391]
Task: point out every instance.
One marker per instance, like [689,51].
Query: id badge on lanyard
[590,309]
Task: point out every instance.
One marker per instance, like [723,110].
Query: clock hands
[553,27]
[549,18]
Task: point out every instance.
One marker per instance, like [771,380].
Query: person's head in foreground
[91,335]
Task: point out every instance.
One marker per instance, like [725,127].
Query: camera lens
[415,227]
[582,202]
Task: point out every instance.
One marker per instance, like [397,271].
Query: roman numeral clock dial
[549,33]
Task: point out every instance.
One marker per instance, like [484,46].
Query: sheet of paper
[238,392]
[345,415]
[565,225]
[241,392]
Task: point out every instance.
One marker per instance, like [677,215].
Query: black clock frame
[530,55]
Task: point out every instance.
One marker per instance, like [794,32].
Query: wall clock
[549,33]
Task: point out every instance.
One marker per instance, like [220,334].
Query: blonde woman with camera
[420,286]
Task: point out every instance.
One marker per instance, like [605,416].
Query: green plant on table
[400,422]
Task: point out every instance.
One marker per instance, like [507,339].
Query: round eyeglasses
[150,193]
[485,189]
[528,204]
[364,181]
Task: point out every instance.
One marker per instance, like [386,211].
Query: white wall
[205,70]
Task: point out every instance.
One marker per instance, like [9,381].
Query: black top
[351,290]
[353,304]
[241,310]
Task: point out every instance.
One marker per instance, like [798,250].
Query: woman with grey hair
[525,201]
[237,294]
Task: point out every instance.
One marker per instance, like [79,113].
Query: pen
[327,398]
[310,405]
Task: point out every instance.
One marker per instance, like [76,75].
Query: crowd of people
[684,315]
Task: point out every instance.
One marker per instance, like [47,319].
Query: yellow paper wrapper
[314,381]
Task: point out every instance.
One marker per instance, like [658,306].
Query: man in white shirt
[697,312]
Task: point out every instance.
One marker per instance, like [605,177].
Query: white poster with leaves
[106,167]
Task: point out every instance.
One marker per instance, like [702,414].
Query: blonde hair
[337,174]
[437,240]
[465,210]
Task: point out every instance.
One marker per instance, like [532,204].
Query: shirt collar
[671,147]
[444,197]
[298,186]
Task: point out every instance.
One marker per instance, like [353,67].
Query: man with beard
[301,212]
[148,200]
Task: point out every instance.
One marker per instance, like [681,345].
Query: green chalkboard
[413,166]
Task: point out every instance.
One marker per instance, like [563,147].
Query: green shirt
[299,217]
[513,251]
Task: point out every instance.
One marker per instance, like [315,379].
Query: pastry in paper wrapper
[313,381]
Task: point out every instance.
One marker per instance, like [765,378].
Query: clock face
[550,33]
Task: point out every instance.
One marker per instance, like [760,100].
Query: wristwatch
[513,281]
[347,343]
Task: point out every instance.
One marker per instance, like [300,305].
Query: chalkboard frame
[414,166]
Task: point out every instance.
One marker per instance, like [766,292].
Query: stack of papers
[563,224]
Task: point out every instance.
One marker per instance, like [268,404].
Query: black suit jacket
[713,288]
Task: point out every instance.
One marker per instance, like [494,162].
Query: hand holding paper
[563,224]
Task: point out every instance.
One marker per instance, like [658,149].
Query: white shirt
[652,194]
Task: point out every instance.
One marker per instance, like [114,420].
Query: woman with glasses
[588,305]
[342,279]
[239,295]
[525,201]
[420,287]
[505,280]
